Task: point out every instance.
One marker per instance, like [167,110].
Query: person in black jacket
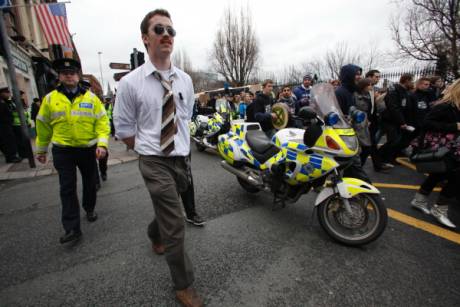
[7,137]
[261,109]
[419,104]
[395,119]
[35,108]
[445,118]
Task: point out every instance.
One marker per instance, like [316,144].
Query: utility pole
[15,89]
[100,68]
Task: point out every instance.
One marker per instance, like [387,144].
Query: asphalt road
[247,255]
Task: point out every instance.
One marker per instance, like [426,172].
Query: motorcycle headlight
[359,116]
[331,119]
[351,141]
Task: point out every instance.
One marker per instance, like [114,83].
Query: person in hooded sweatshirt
[349,77]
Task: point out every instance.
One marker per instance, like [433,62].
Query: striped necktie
[168,116]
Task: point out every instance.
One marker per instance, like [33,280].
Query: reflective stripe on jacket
[81,123]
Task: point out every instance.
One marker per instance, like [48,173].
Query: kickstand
[312,218]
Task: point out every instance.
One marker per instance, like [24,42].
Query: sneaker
[91,216]
[420,202]
[387,166]
[195,220]
[441,217]
[443,209]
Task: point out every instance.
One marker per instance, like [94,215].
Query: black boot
[91,216]
[70,236]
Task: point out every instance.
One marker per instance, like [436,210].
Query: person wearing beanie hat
[302,92]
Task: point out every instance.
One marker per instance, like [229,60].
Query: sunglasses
[162,30]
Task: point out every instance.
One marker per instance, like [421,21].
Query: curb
[52,171]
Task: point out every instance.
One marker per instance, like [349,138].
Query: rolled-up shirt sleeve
[124,114]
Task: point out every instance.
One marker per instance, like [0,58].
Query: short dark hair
[36,99]
[266,82]
[371,73]
[423,79]
[363,83]
[433,79]
[406,77]
[146,20]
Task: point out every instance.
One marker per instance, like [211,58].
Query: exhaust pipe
[240,174]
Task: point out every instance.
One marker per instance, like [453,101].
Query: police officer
[7,137]
[75,121]
[17,128]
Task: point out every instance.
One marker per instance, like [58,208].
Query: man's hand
[100,152]
[41,157]
[274,117]
[458,126]
[130,141]
[403,126]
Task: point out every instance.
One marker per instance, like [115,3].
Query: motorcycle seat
[261,145]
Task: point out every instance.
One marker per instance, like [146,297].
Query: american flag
[53,20]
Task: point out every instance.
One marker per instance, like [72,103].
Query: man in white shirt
[153,107]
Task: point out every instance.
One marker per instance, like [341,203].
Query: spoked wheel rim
[363,222]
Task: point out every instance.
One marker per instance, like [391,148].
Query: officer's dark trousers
[165,178]
[66,160]
[20,141]
[188,197]
[8,142]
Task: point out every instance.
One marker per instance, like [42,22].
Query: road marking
[433,229]
[400,186]
[406,163]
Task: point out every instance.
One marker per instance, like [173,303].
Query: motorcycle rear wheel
[367,222]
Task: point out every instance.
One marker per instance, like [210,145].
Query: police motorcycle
[204,130]
[296,161]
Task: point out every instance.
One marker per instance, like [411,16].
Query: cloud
[290,32]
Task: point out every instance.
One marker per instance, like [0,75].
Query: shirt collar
[149,69]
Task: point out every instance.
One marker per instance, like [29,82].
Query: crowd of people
[400,114]
[148,118]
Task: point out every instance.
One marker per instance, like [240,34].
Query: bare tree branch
[428,31]
[236,52]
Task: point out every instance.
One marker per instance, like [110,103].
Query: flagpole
[100,68]
[14,84]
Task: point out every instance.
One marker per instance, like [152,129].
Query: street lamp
[100,68]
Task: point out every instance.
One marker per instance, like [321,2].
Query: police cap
[66,64]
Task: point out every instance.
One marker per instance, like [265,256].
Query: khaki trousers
[165,178]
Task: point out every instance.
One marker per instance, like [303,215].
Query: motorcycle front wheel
[365,224]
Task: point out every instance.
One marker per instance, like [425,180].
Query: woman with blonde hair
[442,129]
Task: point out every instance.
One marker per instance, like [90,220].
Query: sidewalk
[117,155]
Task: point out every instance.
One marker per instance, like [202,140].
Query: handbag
[433,161]
[437,155]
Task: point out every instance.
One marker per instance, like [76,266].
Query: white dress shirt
[138,109]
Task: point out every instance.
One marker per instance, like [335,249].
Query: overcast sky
[289,31]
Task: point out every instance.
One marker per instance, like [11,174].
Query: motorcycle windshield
[324,101]
[222,106]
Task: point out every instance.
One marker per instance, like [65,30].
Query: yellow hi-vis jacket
[82,122]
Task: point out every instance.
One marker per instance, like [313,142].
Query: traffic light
[140,59]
